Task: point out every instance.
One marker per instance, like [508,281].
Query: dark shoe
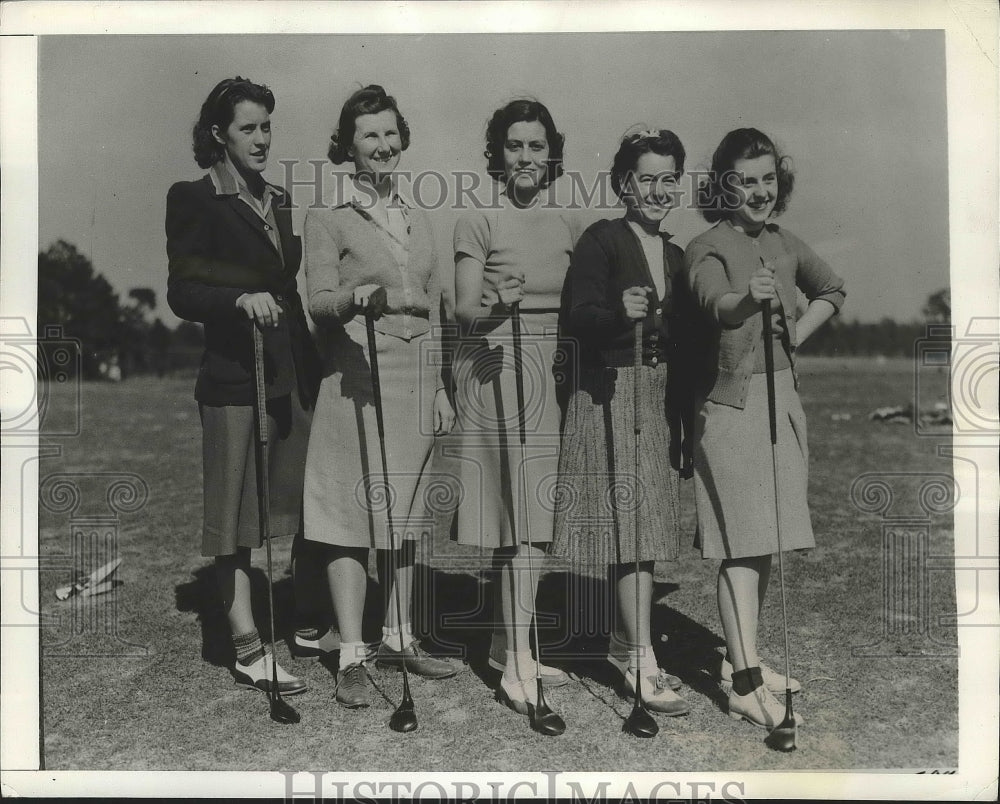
[258,676]
[310,642]
[352,686]
[417,661]
[551,676]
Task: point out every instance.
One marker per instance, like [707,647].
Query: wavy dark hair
[219,109]
[717,197]
[522,110]
[371,99]
[662,142]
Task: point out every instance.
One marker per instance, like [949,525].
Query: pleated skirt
[734,479]
[506,487]
[231,518]
[609,509]
[346,500]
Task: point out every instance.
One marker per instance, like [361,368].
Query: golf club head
[542,719]
[640,723]
[281,712]
[404,719]
[782,736]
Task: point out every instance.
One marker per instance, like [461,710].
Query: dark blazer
[608,258]
[218,250]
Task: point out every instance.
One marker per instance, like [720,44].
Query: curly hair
[368,100]
[717,197]
[219,109]
[522,110]
[659,141]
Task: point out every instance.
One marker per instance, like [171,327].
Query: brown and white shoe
[657,694]
[618,658]
[258,675]
[759,707]
[551,676]
[775,682]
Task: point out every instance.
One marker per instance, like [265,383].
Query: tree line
[121,338]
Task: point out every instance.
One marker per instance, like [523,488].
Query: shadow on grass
[200,597]
[453,614]
[575,616]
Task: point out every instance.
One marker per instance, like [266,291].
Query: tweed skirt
[733,476]
[346,502]
[231,516]
[602,497]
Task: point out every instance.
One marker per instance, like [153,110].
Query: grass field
[169,702]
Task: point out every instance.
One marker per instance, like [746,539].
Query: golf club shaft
[637,430]
[263,486]
[515,324]
[380,423]
[773,421]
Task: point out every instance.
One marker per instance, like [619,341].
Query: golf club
[542,719]
[404,719]
[281,712]
[782,736]
[639,723]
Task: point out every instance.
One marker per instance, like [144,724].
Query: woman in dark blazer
[233,261]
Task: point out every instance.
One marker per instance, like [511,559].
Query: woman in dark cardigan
[623,271]
[233,260]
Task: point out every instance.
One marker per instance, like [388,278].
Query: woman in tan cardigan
[372,238]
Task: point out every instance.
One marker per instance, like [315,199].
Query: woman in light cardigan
[373,238]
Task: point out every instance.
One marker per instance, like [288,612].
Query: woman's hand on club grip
[261,308]
[636,302]
[511,290]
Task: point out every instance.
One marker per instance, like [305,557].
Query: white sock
[520,665]
[642,657]
[352,653]
[398,638]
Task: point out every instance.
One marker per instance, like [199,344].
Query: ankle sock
[248,647]
[520,665]
[746,681]
[398,638]
[642,658]
[351,653]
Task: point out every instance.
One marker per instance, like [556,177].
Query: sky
[862,113]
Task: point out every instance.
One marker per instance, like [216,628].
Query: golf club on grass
[281,712]
[542,719]
[782,736]
[404,719]
[639,723]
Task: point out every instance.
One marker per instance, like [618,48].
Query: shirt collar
[227,181]
[347,192]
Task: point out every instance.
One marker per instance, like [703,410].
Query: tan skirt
[601,497]
[345,499]
[230,476]
[733,477]
[506,489]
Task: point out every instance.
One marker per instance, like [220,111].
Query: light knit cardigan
[344,249]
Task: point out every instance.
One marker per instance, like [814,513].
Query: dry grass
[171,704]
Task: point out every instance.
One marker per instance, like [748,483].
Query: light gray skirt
[733,477]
